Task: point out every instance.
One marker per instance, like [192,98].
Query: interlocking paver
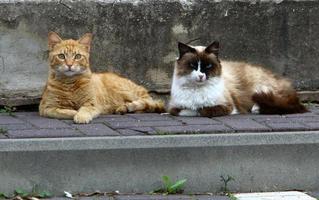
[127,124]
[197,120]
[95,130]
[30,124]
[129,132]
[7,119]
[23,126]
[150,117]
[245,125]
[41,122]
[217,128]
[44,133]
[290,126]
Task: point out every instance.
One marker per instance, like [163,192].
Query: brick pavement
[31,125]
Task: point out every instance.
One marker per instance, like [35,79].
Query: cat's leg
[214,111]
[86,113]
[58,113]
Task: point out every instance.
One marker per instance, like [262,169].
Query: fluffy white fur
[188,92]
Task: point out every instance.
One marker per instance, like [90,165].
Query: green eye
[61,56]
[78,56]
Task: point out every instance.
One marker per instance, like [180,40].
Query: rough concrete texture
[138,38]
[268,167]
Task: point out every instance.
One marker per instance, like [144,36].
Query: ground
[31,125]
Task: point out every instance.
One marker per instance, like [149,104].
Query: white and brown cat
[203,85]
[74,92]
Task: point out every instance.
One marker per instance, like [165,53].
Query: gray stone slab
[217,128]
[150,117]
[170,197]
[23,126]
[129,132]
[292,126]
[127,124]
[246,125]
[112,119]
[44,133]
[6,119]
[42,122]
[197,120]
[146,130]
[312,125]
[95,130]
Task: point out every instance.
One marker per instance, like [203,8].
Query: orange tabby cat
[74,92]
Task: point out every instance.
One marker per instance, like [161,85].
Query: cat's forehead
[69,46]
[200,55]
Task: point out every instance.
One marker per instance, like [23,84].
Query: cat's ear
[184,48]
[86,40]
[213,48]
[54,39]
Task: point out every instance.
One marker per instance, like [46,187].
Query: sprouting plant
[225,181]
[3,196]
[8,109]
[170,187]
[3,130]
[34,193]
[225,188]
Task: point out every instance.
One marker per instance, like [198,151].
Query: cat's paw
[82,118]
[121,109]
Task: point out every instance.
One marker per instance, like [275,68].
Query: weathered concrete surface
[262,162]
[138,38]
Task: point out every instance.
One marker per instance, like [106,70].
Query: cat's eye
[78,56]
[61,56]
[193,66]
[209,66]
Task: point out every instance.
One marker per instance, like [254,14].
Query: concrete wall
[138,38]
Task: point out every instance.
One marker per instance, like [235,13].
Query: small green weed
[3,130]
[34,193]
[225,181]
[3,196]
[8,109]
[171,187]
[224,189]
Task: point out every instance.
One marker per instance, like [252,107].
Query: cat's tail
[146,105]
[284,102]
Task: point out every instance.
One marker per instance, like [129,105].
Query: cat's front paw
[82,118]
[121,109]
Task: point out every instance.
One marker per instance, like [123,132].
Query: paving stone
[20,114]
[314,194]
[312,125]
[127,124]
[23,126]
[42,122]
[150,117]
[2,136]
[307,114]
[217,128]
[146,130]
[44,133]
[95,130]
[112,118]
[245,125]
[169,197]
[197,120]
[129,132]
[7,119]
[292,126]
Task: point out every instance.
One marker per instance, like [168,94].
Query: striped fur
[74,92]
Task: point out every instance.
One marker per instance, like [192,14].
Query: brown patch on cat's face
[69,57]
[198,61]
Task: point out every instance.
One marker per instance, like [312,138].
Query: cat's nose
[69,66]
[200,77]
